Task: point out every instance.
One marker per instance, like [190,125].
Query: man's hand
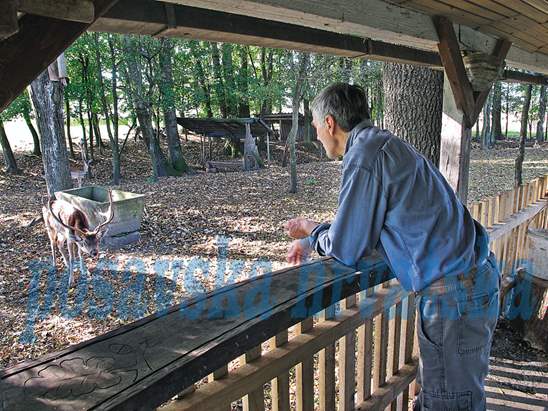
[299,251]
[299,227]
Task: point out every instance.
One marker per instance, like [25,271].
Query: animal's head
[87,240]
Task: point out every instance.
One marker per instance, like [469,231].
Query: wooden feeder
[482,69]
[128,212]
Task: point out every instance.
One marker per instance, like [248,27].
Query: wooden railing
[322,336]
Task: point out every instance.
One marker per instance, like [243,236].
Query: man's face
[326,137]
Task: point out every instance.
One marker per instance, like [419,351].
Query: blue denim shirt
[393,200]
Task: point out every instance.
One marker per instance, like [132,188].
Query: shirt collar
[354,132]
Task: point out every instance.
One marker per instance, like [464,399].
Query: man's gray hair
[345,102]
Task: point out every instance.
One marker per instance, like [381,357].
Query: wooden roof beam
[82,11]
[8,18]
[527,78]
[38,43]
[191,22]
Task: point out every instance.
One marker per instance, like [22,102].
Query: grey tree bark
[496,127]
[142,108]
[219,83]
[168,104]
[47,97]
[298,90]
[523,135]
[413,104]
[9,158]
[541,114]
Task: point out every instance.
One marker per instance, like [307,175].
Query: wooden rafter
[468,101]
[451,59]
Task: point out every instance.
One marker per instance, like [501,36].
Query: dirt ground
[184,218]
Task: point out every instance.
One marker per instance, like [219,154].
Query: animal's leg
[70,247]
[81,255]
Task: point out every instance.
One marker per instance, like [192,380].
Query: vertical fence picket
[327,368]
[365,356]
[305,372]
[347,363]
[254,400]
[280,384]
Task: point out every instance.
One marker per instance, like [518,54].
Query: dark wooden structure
[281,124]
[224,128]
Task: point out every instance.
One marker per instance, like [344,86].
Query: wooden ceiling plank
[472,8]
[541,5]
[527,10]
[494,6]
[8,19]
[82,11]
[512,30]
[457,15]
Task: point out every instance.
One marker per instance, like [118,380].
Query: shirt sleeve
[357,226]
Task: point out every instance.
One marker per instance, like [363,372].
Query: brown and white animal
[67,225]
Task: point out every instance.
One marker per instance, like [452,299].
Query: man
[395,201]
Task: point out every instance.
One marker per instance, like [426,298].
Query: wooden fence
[321,336]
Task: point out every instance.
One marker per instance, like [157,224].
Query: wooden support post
[455,144]
[305,373]
[461,106]
[365,356]
[280,384]
[327,368]
[254,401]
[219,375]
[347,363]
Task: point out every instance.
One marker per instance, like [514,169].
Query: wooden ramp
[144,364]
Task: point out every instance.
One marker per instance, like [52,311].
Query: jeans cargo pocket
[446,401]
[478,318]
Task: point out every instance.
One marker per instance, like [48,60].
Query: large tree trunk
[142,107]
[47,97]
[413,101]
[267,69]
[496,128]
[168,104]
[523,135]
[230,84]
[9,158]
[541,114]
[243,86]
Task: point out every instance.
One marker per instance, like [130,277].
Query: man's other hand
[299,227]
[299,251]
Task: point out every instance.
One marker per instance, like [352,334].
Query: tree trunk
[541,114]
[35,137]
[113,137]
[486,129]
[523,135]
[243,87]
[413,100]
[230,84]
[219,84]
[496,128]
[252,159]
[170,116]
[47,97]
[507,110]
[69,135]
[142,108]
[267,65]
[201,77]
[9,158]
[301,70]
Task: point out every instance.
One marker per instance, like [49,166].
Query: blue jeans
[455,329]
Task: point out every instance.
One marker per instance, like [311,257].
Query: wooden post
[268,147]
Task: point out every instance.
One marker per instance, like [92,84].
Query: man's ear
[330,124]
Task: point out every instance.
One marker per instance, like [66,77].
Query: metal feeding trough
[128,212]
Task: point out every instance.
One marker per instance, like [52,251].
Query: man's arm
[357,226]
